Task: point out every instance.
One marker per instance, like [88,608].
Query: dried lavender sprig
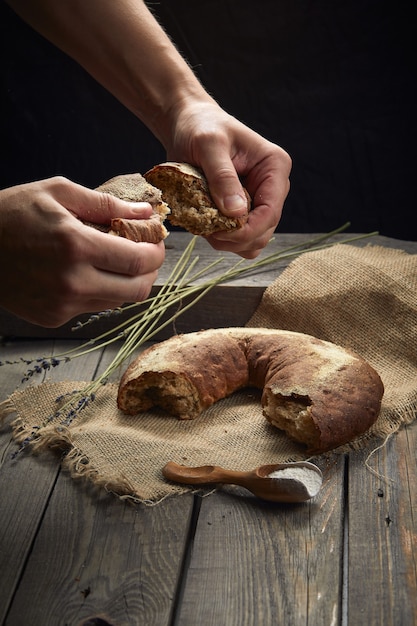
[72,410]
[46,363]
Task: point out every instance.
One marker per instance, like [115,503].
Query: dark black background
[332,82]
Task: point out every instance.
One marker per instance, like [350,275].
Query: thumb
[110,206]
[100,207]
[225,187]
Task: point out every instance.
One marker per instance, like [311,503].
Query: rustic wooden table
[71,556]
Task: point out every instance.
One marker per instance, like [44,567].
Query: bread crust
[185,189]
[178,191]
[134,188]
[320,394]
[149,230]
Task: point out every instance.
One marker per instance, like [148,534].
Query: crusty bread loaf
[134,188]
[320,394]
[185,189]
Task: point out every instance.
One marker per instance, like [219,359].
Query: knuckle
[57,318]
[283,157]
[70,290]
[145,286]
[59,180]
[225,173]
[59,183]
[250,254]
[213,138]
[149,258]
[106,203]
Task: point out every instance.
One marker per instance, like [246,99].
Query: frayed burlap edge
[58,438]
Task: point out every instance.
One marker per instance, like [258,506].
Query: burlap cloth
[361,298]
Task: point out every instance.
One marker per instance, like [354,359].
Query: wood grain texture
[27,482]
[96,556]
[382,522]
[258,563]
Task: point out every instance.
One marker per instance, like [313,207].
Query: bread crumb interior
[292,415]
[172,393]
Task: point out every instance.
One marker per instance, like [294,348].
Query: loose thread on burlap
[371,469]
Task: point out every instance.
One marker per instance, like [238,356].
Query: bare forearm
[125,49]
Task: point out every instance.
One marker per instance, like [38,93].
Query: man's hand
[53,267]
[229,152]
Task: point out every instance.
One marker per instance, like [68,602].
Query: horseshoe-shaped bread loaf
[320,394]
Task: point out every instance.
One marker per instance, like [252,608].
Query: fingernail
[137,207]
[235,204]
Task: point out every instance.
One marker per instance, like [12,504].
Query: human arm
[53,267]
[125,49]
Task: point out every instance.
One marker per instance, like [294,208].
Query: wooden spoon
[291,482]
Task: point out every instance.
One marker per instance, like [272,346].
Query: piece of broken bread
[185,190]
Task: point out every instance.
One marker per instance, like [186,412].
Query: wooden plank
[24,492]
[10,378]
[96,556]
[258,563]
[382,522]
[18,521]
[230,304]
[91,554]
[27,482]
